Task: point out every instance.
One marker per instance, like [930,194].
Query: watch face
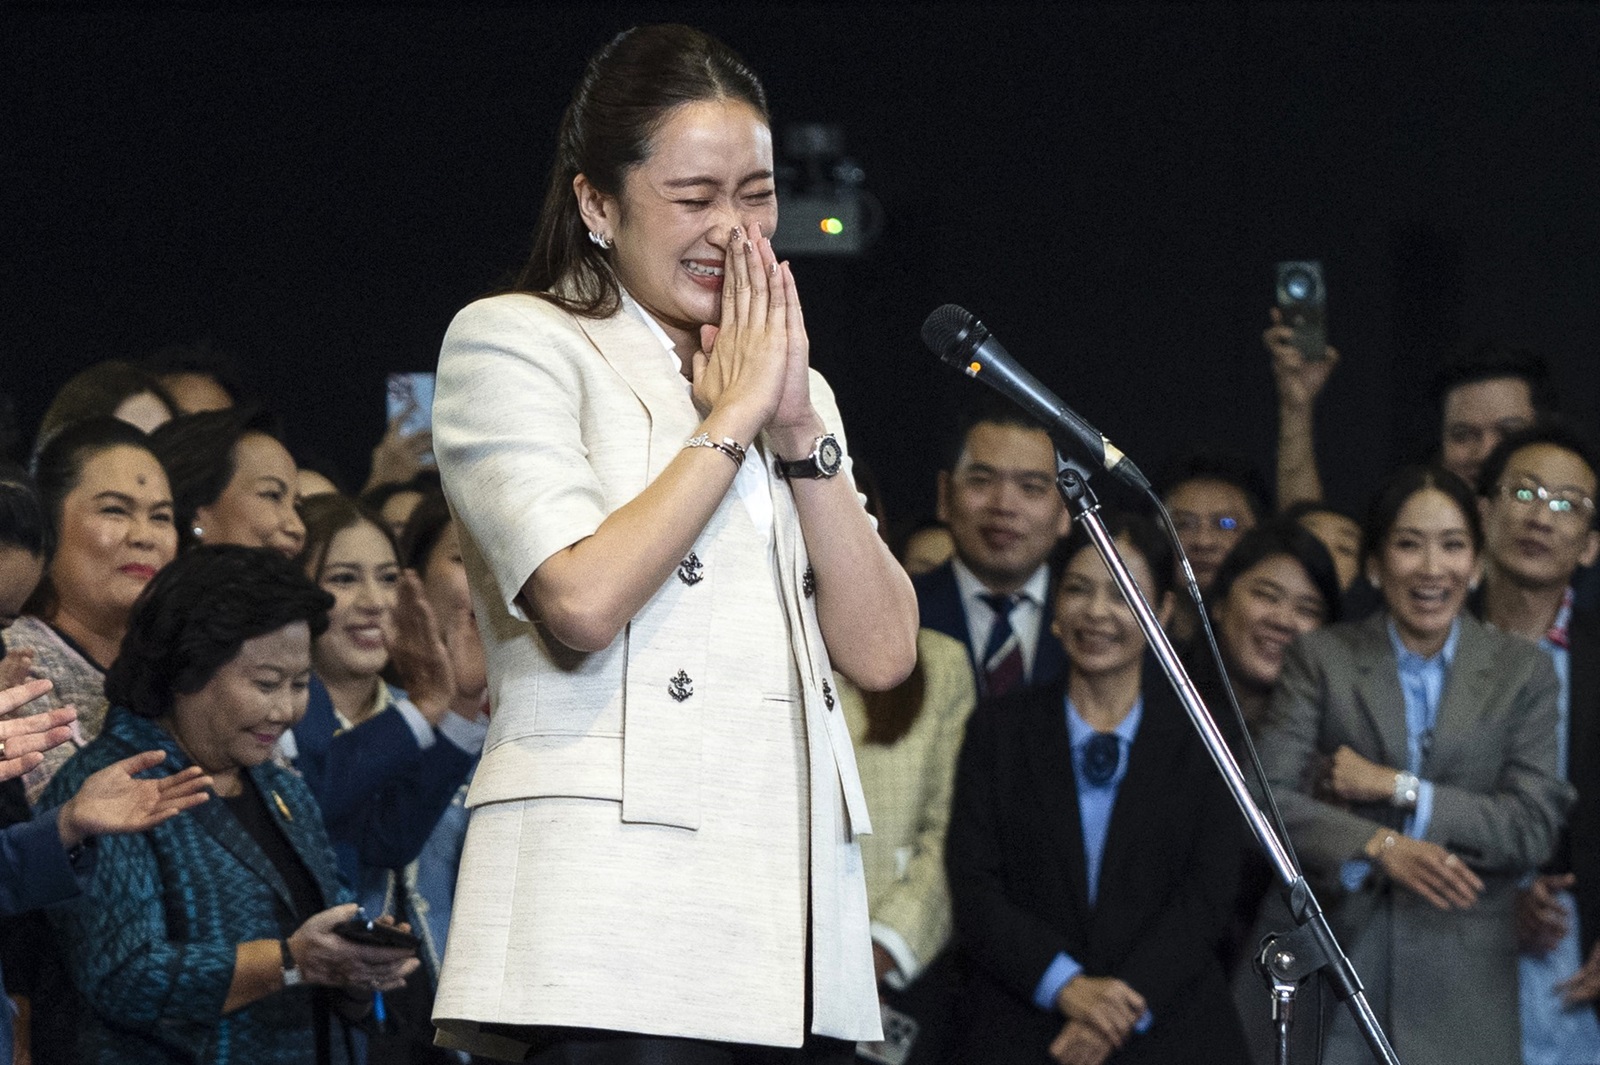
[829,456]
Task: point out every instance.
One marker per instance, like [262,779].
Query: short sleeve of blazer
[507,435]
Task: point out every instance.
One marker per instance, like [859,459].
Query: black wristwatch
[825,460]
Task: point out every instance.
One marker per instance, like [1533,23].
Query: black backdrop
[1106,185]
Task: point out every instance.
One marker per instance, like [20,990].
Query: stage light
[832,226]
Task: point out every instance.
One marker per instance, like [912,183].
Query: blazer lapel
[1050,758]
[630,348]
[1467,684]
[294,819]
[217,820]
[1377,688]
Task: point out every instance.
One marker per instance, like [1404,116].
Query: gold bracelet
[728,446]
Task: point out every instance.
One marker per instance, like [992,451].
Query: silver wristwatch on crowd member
[1406,789]
[291,972]
[825,460]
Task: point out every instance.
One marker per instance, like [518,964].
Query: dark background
[1107,186]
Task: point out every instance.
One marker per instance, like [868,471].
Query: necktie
[1101,756]
[1002,658]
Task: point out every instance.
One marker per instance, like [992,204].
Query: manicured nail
[737,232]
[748,247]
[773,269]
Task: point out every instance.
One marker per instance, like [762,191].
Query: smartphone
[899,1034]
[1303,303]
[361,929]
[409,396]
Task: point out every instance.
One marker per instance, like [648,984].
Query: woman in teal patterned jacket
[210,938]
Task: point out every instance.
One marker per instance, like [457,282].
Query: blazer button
[827,693]
[691,571]
[808,582]
[680,687]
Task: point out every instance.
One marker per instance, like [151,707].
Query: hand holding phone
[368,932]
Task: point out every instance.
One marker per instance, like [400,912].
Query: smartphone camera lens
[1299,285]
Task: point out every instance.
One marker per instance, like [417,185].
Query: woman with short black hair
[211,937]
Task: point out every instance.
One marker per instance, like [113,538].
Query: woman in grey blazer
[668,559]
[1414,756]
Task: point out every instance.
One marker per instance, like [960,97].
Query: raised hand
[1299,379]
[418,651]
[23,740]
[114,801]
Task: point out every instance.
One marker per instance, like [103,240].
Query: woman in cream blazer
[663,826]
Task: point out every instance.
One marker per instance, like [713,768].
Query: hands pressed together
[751,373]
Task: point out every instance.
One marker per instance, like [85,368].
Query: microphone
[960,340]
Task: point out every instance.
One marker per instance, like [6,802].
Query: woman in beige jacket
[668,559]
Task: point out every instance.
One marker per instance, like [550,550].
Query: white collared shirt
[753,481]
[1026,616]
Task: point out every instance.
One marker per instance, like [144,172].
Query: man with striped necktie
[998,497]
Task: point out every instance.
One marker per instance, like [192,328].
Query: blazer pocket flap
[547,764]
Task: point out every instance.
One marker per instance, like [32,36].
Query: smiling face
[115,533]
[238,717]
[1267,606]
[256,509]
[1526,541]
[708,170]
[1001,505]
[1093,622]
[1424,567]
[361,573]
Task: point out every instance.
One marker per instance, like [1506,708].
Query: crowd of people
[240,706]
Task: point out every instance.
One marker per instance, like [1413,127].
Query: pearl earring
[198,532]
[600,240]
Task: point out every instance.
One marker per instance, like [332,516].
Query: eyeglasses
[1564,503]
[1189,523]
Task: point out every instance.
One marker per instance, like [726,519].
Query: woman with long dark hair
[1414,758]
[669,559]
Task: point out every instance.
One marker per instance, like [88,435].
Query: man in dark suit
[998,497]
[1538,490]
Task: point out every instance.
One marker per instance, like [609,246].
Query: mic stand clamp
[1312,945]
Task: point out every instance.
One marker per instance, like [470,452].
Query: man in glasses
[1214,498]
[1537,490]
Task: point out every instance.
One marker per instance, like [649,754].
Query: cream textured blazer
[908,786]
[652,824]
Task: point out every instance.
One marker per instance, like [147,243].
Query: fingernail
[737,232]
[773,269]
[749,247]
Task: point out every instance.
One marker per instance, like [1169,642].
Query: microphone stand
[1286,960]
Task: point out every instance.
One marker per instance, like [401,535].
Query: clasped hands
[752,369]
[1101,1013]
[1428,869]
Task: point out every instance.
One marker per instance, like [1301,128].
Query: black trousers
[593,1046]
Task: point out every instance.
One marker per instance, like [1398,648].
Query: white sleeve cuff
[468,735]
[419,724]
[906,965]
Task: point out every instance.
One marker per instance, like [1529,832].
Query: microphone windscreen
[945,331]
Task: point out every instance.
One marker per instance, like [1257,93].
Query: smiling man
[998,497]
[1538,491]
